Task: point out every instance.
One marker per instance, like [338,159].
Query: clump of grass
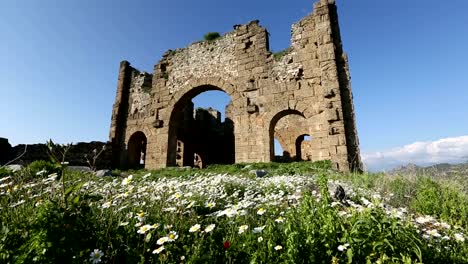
[421,194]
[273,168]
[442,201]
[280,54]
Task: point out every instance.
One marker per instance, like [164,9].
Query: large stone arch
[182,98]
[196,86]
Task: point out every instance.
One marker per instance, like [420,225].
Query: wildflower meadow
[226,214]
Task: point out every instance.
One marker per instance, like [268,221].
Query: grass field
[225,214]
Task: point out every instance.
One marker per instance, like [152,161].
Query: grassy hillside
[227,214]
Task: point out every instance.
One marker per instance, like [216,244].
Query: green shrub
[431,198]
[13,235]
[402,190]
[211,36]
[41,165]
[116,172]
[60,234]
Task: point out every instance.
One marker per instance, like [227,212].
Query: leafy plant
[61,233]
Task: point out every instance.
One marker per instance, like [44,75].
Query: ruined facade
[301,96]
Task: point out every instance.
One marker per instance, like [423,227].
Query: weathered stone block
[251,109]
[341,150]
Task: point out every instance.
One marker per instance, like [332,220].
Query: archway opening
[201,131]
[136,150]
[302,146]
[278,148]
[281,155]
[286,127]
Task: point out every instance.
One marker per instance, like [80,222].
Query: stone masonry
[302,92]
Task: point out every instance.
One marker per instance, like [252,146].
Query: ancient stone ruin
[78,155]
[301,96]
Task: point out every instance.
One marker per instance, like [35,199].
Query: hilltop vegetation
[295,213]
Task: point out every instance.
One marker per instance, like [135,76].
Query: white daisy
[194,228]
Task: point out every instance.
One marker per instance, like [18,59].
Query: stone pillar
[351,138]
[119,114]
[338,115]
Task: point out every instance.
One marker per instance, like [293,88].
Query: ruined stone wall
[310,79]
[75,155]
[211,139]
[5,149]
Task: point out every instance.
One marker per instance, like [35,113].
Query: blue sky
[60,61]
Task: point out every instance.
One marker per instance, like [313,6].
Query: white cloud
[446,150]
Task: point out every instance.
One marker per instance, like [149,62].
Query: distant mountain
[437,170]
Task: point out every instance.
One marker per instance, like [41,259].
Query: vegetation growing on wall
[211,36]
[280,54]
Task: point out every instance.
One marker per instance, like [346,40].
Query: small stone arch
[299,155]
[271,129]
[136,150]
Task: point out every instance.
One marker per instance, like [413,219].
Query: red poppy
[227,245]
